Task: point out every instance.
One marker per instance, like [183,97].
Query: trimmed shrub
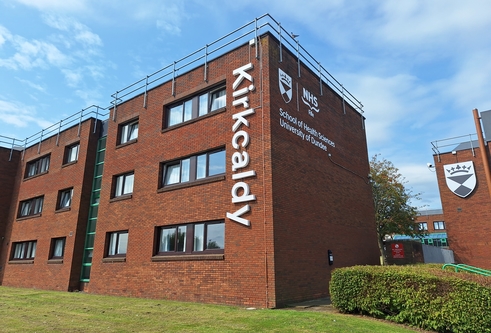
[425,297]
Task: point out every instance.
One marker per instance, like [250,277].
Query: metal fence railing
[447,145]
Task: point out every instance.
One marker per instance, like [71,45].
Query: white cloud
[20,115]
[72,77]
[31,53]
[80,32]
[32,85]
[56,5]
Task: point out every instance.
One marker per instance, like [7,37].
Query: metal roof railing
[241,35]
[457,143]
[246,33]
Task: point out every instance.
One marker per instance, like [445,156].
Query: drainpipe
[484,150]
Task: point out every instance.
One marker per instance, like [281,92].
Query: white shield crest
[460,178]
[285,82]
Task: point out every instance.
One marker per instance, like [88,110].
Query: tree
[393,212]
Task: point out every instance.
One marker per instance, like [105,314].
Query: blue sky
[418,67]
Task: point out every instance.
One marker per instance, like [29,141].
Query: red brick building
[233,183]
[461,166]
[433,222]
[46,215]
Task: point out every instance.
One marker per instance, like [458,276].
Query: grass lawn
[29,310]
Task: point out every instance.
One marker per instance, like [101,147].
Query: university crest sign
[285,82]
[460,178]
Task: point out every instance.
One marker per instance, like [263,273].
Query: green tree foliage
[393,212]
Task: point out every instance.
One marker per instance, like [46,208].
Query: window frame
[67,159]
[439,225]
[188,248]
[28,250]
[123,138]
[423,226]
[123,176]
[109,242]
[192,176]
[53,248]
[32,208]
[61,194]
[195,103]
[40,166]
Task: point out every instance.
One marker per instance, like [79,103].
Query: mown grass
[28,310]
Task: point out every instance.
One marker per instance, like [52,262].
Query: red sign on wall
[397,250]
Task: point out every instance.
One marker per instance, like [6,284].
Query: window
[57,248]
[65,198]
[196,106]
[128,132]
[208,237]
[37,167]
[118,242]
[439,225]
[194,168]
[31,207]
[71,153]
[423,226]
[24,250]
[124,184]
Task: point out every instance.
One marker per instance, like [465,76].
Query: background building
[462,168]
[433,222]
[243,180]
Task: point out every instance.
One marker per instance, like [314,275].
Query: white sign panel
[460,178]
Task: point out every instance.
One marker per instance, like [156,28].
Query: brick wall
[429,219]
[237,279]
[322,198]
[467,219]
[42,273]
[8,170]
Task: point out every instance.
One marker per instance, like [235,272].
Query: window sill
[212,179]
[69,163]
[114,259]
[20,261]
[28,217]
[191,121]
[35,176]
[122,197]
[190,257]
[55,261]
[61,210]
[127,143]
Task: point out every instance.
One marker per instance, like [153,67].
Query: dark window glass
[194,168]
[65,198]
[191,238]
[195,106]
[38,166]
[118,243]
[71,153]
[57,248]
[128,132]
[439,225]
[24,250]
[31,207]
[124,184]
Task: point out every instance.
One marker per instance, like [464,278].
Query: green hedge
[427,298]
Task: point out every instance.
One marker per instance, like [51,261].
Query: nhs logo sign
[310,100]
